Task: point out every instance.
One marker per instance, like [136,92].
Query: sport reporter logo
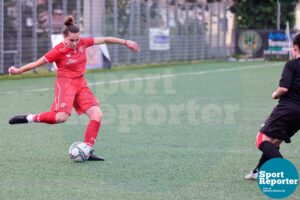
[278,178]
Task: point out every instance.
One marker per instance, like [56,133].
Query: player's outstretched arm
[132,45]
[280,91]
[13,70]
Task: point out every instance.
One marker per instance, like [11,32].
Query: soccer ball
[79,151]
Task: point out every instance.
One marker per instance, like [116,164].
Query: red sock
[45,117]
[91,132]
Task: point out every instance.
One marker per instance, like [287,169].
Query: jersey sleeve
[87,42]
[287,76]
[52,55]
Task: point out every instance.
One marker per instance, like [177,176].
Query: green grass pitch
[173,132]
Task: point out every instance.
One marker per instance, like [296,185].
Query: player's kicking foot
[19,119]
[251,176]
[94,157]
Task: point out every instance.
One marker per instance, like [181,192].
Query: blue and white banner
[278,43]
[159,40]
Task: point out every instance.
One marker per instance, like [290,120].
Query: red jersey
[70,62]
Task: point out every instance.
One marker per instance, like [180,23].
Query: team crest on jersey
[68,55]
[63,105]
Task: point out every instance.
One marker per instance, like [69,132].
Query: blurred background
[167,30]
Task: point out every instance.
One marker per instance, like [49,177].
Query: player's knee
[96,115]
[61,117]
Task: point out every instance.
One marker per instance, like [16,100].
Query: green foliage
[257,14]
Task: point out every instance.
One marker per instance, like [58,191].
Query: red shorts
[72,93]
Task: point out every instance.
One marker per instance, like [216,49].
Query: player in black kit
[284,121]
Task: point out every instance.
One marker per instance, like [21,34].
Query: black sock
[270,150]
[262,160]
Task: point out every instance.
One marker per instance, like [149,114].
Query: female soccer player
[71,89]
[284,120]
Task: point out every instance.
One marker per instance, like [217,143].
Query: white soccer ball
[79,151]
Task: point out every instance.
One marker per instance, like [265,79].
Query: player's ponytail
[70,26]
[69,21]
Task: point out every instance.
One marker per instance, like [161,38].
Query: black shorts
[283,122]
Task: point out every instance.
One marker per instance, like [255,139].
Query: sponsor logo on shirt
[70,61]
[68,55]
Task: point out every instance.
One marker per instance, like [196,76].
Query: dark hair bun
[69,21]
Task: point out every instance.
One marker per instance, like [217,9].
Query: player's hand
[133,46]
[13,70]
[275,95]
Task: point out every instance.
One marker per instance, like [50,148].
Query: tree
[258,14]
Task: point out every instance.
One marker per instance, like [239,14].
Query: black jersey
[290,79]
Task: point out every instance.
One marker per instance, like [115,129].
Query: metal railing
[197,31]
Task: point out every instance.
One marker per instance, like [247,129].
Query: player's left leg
[95,115]
[86,102]
[270,148]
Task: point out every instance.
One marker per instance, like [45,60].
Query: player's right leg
[95,115]
[18,119]
[45,117]
[64,94]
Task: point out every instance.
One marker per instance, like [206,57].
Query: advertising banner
[258,43]
[159,40]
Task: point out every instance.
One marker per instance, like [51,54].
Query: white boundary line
[156,77]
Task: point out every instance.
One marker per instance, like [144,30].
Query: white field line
[164,76]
